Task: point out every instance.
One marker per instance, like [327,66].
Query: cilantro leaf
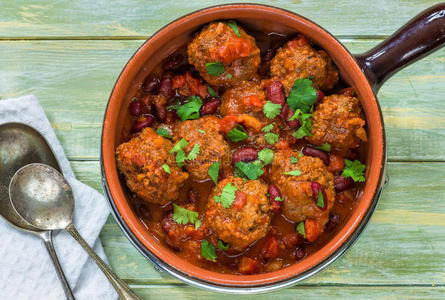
[197,224]
[293,160]
[227,195]
[180,158]
[320,200]
[279,199]
[253,170]
[293,173]
[355,170]
[229,76]
[266,156]
[211,91]
[208,250]
[305,128]
[271,138]
[267,128]
[233,25]
[201,131]
[223,246]
[214,68]
[194,152]
[295,115]
[300,229]
[166,168]
[179,146]
[325,147]
[214,171]
[185,216]
[271,110]
[190,110]
[302,95]
[163,132]
[237,134]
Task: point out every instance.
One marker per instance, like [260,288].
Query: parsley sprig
[302,96]
[233,25]
[355,170]
[252,170]
[208,250]
[237,134]
[214,68]
[227,195]
[214,171]
[184,216]
[189,110]
[271,110]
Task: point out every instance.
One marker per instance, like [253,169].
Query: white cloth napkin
[26,271]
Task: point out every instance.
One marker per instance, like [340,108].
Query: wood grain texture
[73,80]
[43,18]
[403,244]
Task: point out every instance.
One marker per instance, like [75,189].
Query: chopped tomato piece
[313,229]
[250,121]
[247,265]
[240,200]
[254,100]
[336,163]
[270,248]
[299,41]
[231,50]
[188,85]
[228,123]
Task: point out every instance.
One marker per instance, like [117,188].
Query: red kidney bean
[320,95]
[150,84]
[274,193]
[193,196]
[136,108]
[316,188]
[141,124]
[245,154]
[172,62]
[161,112]
[210,107]
[270,53]
[284,114]
[299,253]
[342,184]
[166,88]
[334,220]
[275,92]
[316,153]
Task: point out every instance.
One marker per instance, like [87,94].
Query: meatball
[244,98]
[141,162]
[299,203]
[297,59]
[338,120]
[213,147]
[246,220]
[218,43]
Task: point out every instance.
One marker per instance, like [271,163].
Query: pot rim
[339,244]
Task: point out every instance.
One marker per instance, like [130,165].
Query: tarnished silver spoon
[21,145]
[43,198]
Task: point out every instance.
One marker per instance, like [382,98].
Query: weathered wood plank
[73,79]
[403,243]
[141,18]
[175,292]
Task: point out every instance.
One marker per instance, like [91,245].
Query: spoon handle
[121,287]
[48,241]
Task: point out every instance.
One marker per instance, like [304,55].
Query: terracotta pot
[365,73]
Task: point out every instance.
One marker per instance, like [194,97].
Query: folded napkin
[26,271]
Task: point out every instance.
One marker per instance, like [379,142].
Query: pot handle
[419,37]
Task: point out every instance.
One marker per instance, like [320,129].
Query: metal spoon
[21,145]
[43,198]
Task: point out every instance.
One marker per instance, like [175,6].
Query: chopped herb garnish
[271,138]
[325,147]
[185,216]
[178,149]
[214,171]
[300,154]
[237,134]
[208,250]
[201,131]
[233,25]
[229,76]
[267,128]
[302,95]
[227,195]
[190,110]
[252,170]
[211,91]
[180,158]
[293,160]
[214,68]
[320,200]
[300,229]
[355,170]
[163,132]
[279,199]
[271,110]
[305,128]
[166,168]
[293,173]
[266,156]
[194,152]
[223,246]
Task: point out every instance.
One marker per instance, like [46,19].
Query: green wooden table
[69,54]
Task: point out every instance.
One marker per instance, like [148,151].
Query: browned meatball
[244,98]
[213,147]
[297,59]
[338,120]
[218,42]
[299,202]
[140,160]
[246,220]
